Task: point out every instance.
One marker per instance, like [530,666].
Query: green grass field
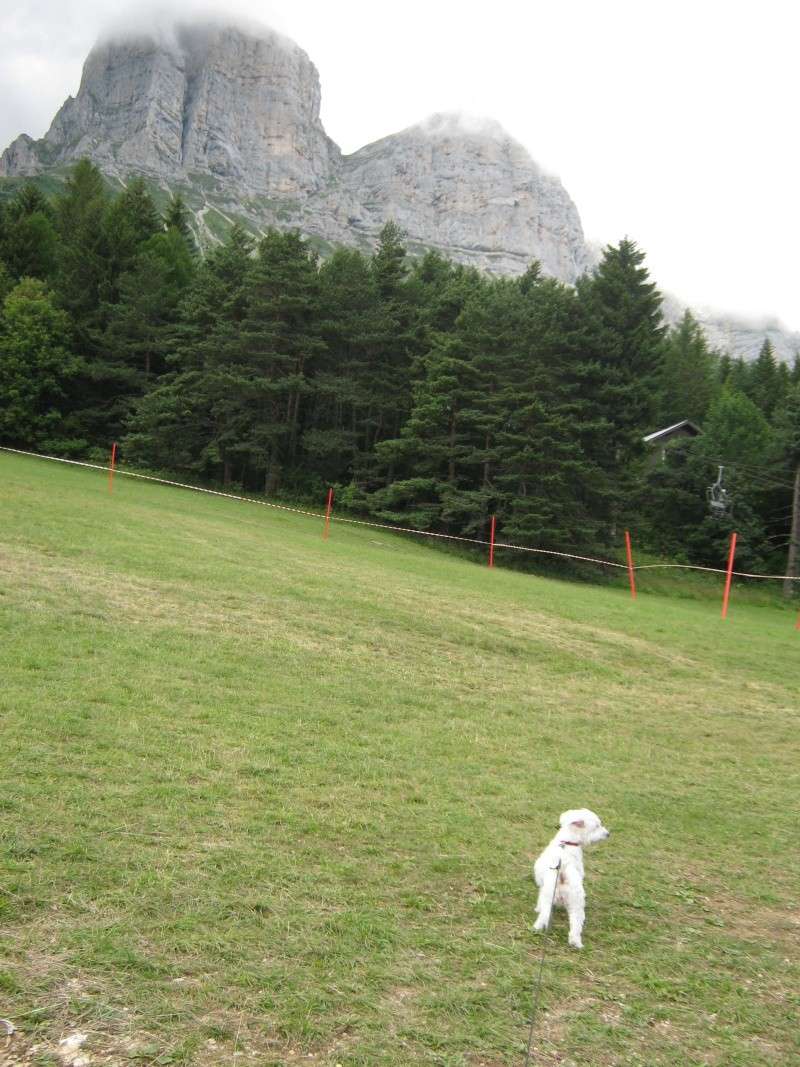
[271,800]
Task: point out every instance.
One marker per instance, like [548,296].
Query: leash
[537,989]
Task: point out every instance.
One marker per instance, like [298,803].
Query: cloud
[159,20]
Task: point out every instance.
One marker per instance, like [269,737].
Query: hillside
[269,795]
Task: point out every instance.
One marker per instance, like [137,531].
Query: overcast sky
[674,123]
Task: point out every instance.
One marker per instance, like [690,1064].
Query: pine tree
[6,281]
[83,269]
[624,336]
[28,242]
[141,325]
[183,423]
[282,340]
[391,342]
[549,487]
[177,217]
[339,420]
[688,375]
[441,470]
[738,378]
[130,221]
[764,384]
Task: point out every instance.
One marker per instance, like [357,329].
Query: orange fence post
[111,468]
[491,541]
[631,577]
[328,515]
[729,576]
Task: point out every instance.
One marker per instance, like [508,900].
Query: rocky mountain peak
[202,99]
[230,115]
[234,113]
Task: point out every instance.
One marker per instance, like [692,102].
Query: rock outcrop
[230,117]
[468,189]
[234,116]
[205,101]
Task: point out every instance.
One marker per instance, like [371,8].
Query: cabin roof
[684,426]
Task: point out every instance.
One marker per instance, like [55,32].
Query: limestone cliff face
[231,119]
[468,189]
[234,115]
[206,101]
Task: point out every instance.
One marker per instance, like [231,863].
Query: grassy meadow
[266,799]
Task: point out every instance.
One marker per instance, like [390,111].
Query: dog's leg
[544,904]
[575,900]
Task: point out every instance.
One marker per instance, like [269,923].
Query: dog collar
[575,844]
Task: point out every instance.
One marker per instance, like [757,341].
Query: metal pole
[729,576]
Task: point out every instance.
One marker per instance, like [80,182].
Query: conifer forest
[428,394]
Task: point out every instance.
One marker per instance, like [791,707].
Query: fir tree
[549,486]
[83,268]
[130,221]
[338,422]
[28,241]
[177,217]
[391,340]
[688,375]
[764,386]
[282,339]
[624,336]
[183,423]
[141,325]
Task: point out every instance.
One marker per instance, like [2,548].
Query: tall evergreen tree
[391,342]
[738,377]
[281,341]
[765,381]
[177,217]
[183,423]
[130,221]
[549,486]
[83,269]
[438,471]
[624,336]
[141,325]
[340,420]
[6,281]
[28,242]
[688,375]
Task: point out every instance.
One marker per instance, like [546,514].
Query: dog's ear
[578,822]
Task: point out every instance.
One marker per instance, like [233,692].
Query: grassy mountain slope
[268,795]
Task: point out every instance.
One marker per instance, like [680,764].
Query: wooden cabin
[660,439]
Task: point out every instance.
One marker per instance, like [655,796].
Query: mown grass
[271,800]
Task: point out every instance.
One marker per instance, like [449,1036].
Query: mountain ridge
[230,117]
[239,114]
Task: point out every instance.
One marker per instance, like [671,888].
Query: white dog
[559,870]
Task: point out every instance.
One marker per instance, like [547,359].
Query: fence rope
[399,529]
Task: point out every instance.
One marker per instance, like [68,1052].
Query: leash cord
[537,988]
